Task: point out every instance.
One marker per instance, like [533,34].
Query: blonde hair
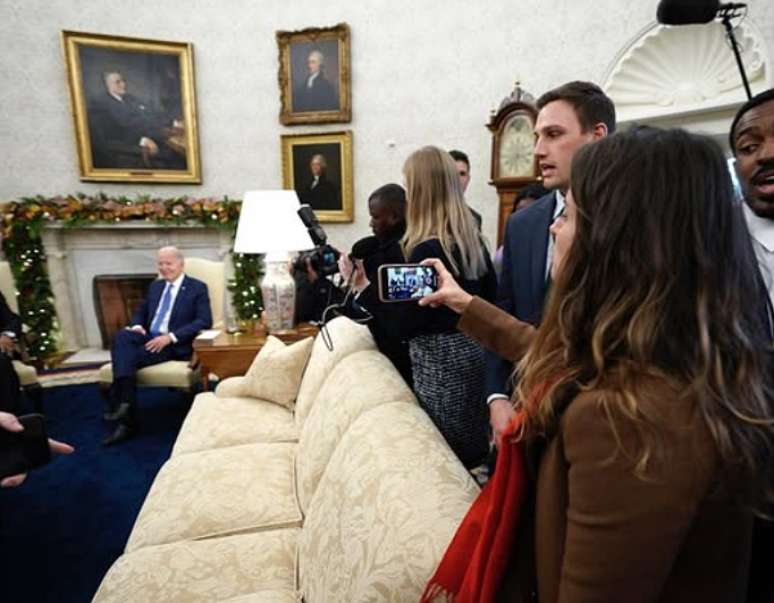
[437,210]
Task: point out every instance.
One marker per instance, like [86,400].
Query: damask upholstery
[219,422]
[231,387]
[347,338]
[216,569]
[361,507]
[26,373]
[358,383]
[219,492]
[386,508]
[276,371]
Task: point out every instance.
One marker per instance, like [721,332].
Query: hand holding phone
[406,282]
[24,446]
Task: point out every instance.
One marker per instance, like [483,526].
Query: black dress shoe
[121,434]
[119,413]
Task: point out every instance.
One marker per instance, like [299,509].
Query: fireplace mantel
[77,254]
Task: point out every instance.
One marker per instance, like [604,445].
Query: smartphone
[406,282]
[24,450]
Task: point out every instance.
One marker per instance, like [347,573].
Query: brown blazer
[604,535]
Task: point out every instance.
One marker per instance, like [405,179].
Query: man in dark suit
[570,116]
[10,331]
[320,193]
[126,133]
[163,328]
[462,163]
[315,93]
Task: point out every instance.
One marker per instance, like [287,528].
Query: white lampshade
[268,223]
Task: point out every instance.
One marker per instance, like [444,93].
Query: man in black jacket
[10,331]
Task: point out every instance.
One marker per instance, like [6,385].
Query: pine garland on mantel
[24,219]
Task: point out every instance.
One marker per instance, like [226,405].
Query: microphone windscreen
[686,12]
[365,247]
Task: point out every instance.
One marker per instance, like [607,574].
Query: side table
[231,354]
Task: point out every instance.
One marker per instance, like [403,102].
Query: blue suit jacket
[522,288]
[190,314]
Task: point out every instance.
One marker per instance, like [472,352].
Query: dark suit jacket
[600,532]
[522,288]
[116,130]
[9,321]
[190,314]
[324,196]
[320,97]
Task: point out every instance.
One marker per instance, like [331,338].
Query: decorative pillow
[275,374]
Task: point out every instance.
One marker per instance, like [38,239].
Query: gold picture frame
[314,75]
[134,108]
[319,168]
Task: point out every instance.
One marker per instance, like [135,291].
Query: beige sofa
[354,496]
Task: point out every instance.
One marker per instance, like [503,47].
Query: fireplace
[125,250]
[116,298]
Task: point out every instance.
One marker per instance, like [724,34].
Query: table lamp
[268,224]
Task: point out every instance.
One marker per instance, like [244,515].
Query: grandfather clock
[513,163]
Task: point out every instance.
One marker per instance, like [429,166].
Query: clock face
[516,144]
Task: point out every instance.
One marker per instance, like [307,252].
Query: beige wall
[423,72]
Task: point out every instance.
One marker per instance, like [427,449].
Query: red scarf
[473,566]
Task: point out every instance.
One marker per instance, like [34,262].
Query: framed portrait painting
[319,168]
[314,75]
[134,108]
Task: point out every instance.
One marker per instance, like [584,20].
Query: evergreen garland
[23,221]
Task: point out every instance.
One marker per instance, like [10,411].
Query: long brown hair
[661,279]
[437,209]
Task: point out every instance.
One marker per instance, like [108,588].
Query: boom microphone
[686,12]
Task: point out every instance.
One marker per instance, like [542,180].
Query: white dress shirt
[164,326]
[762,231]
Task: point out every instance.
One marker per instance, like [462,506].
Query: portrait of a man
[319,168]
[314,75]
[313,90]
[317,189]
[134,108]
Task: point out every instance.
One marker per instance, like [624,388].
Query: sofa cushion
[275,373]
[26,373]
[216,569]
[385,510]
[231,387]
[172,373]
[347,338]
[218,492]
[267,596]
[215,422]
[358,383]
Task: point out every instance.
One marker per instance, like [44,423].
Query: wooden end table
[231,354]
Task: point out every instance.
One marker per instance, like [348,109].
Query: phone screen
[406,282]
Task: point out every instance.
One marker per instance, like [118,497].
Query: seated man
[10,331]
[176,309]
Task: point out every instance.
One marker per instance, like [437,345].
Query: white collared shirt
[558,209]
[312,78]
[164,326]
[762,231]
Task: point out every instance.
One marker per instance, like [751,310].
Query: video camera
[324,259]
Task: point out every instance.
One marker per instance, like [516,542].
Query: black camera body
[324,259]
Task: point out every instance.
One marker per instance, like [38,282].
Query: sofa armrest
[233,387]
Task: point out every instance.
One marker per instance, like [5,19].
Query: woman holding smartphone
[447,366]
[642,445]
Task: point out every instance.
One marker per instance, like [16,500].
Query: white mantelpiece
[77,255]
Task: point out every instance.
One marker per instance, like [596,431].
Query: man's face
[558,135]
[754,151]
[170,265]
[464,173]
[115,84]
[316,167]
[382,219]
[313,63]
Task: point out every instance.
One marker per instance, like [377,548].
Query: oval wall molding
[667,71]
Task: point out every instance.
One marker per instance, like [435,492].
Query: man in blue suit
[163,327]
[569,117]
